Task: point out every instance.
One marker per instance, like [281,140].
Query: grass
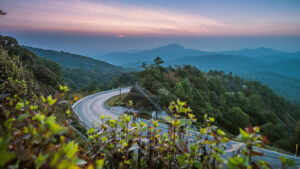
[115,101]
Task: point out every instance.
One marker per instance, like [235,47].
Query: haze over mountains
[277,69]
[261,64]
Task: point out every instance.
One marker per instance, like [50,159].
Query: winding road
[90,108]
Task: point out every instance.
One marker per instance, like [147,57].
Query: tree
[238,119]
[273,131]
[2,13]
[158,61]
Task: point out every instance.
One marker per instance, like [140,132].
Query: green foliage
[80,72]
[237,119]
[30,135]
[127,143]
[235,103]
[45,71]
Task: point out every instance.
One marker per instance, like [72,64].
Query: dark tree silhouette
[2,13]
[158,61]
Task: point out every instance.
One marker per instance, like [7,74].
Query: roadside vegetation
[234,103]
[118,100]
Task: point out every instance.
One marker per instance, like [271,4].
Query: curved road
[90,108]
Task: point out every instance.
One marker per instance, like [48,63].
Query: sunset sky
[93,27]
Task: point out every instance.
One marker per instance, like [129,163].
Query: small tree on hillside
[158,61]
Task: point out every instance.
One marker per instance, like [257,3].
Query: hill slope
[70,60]
[80,71]
[234,102]
[47,73]
[248,63]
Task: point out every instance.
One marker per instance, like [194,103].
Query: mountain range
[277,69]
[262,64]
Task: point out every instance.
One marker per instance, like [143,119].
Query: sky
[94,27]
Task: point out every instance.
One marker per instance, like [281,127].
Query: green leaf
[19,106]
[6,157]
[181,159]
[100,163]
[40,160]
[22,116]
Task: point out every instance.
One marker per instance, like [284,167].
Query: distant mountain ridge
[248,63]
[171,51]
[176,51]
[69,60]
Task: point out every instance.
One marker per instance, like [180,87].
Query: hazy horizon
[96,46]
[92,27]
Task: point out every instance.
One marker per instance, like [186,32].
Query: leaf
[68,112]
[220,132]
[234,147]
[265,139]
[40,160]
[181,159]
[100,163]
[22,116]
[205,116]
[181,146]
[256,153]
[104,139]
[19,106]
[80,162]
[256,129]
[6,157]
[134,147]
[250,129]
[155,123]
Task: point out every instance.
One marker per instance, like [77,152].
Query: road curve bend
[90,108]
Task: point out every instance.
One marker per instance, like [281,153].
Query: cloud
[94,17]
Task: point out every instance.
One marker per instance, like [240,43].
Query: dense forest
[47,73]
[80,72]
[234,102]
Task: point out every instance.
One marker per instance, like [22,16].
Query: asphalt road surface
[90,108]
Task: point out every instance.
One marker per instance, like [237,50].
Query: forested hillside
[69,60]
[47,73]
[247,63]
[80,71]
[234,102]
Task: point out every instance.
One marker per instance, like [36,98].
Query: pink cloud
[95,17]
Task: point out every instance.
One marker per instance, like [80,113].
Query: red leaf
[265,139]
[256,153]
[250,129]
[181,146]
